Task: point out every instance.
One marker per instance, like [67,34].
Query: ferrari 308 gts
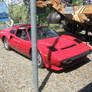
[54,51]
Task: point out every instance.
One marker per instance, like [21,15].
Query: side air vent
[77,40]
[69,46]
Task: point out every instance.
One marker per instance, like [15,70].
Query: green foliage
[43,16]
[43,19]
[18,13]
[77,2]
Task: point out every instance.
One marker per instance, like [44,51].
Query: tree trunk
[27,3]
[11,22]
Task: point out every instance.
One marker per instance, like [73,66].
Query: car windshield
[44,32]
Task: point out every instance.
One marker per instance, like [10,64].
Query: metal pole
[34,44]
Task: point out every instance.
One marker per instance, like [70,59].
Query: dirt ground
[16,75]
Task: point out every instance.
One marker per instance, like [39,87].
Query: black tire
[6,45]
[40,61]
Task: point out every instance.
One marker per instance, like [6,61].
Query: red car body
[56,52]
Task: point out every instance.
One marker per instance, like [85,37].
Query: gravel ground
[16,75]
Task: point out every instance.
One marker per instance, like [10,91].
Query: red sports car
[54,51]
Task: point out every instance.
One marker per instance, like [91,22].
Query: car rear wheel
[6,45]
[39,61]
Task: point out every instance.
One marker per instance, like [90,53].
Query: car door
[22,40]
[12,38]
[28,42]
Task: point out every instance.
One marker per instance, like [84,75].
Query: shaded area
[87,88]
[77,64]
[45,81]
[81,36]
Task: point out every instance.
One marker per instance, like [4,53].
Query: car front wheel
[39,61]
[6,45]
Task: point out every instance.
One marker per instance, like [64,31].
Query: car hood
[63,47]
[57,42]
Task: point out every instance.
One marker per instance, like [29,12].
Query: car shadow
[87,88]
[80,63]
[44,81]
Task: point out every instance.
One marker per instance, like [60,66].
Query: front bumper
[70,60]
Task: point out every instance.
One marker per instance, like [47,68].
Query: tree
[42,16]
[27,4]
[18,13]
[77,2]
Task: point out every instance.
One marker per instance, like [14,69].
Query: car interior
[21,33]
